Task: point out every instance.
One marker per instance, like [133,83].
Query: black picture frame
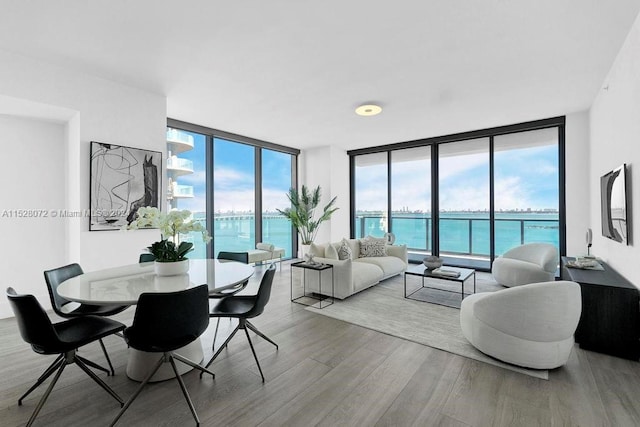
[122,179]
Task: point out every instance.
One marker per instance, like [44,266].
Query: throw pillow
[377,239]
[265,246]
[372,247]
[344,252]
[331,252]
[316,250]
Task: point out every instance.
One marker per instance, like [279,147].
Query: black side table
[319,296]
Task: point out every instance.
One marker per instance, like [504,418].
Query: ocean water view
[461,233]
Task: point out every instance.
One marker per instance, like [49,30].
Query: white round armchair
[530,325]
[530,263]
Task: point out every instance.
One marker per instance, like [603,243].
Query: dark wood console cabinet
[610,320]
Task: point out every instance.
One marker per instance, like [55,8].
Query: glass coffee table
[425,273]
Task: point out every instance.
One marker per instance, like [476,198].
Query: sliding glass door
[371,218]
[463,180]
[411,198]
[527,189]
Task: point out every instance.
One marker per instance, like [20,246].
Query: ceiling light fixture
[368,110]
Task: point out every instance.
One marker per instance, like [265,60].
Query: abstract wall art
[123,179]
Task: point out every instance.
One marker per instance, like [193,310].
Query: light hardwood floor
[326,372]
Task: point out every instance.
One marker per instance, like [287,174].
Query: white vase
[304,251]
[171,268]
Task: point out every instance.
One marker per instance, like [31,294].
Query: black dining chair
[244,307]
[69,309]
[163,323]
[62,338]
[242,257]
[146,258]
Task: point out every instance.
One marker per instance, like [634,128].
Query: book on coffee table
[445,272]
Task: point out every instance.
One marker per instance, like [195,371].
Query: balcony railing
[462,235]
[179,141]
[174,162]
[182,190]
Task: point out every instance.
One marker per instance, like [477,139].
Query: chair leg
[192,364]
[254,329]
[93,365]
[106,355]
[254,353]
[137,392]
[184,390]
[215,334]
[221,347]
[46,374]
[97,379]
[46,394]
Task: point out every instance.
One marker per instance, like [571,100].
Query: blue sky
[234,177]
[524,178]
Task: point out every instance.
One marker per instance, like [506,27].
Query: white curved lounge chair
[530,263]
[530,325]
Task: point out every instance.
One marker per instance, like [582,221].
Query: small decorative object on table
[308,258]
[169,252]
[391,238]
[432,262]
[445,272]
[585,263]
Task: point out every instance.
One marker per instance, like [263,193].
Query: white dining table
[124,285]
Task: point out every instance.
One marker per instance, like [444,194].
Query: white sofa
[530,263]
[530,325]
[354,275]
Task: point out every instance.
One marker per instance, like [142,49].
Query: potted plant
[301,212]
[169,252]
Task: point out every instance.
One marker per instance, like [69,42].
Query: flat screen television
[613,190]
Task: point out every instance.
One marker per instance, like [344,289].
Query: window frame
[211,134]
[434,142]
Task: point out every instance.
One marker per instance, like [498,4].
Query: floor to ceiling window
[492,190]
[463,179]
[411,203]
[371,195]
[187,186]
[232,183]
[276,182]
[526,188]
[233,196]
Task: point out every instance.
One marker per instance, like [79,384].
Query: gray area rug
[383,308]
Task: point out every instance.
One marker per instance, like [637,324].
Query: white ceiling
[292,72]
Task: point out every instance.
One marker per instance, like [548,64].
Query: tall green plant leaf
[301,212]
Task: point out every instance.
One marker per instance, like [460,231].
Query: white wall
[94,109]
[578,192]
[328,167]
[615,139]
[33,177]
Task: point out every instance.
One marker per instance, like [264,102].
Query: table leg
[405,285]
[320,288]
